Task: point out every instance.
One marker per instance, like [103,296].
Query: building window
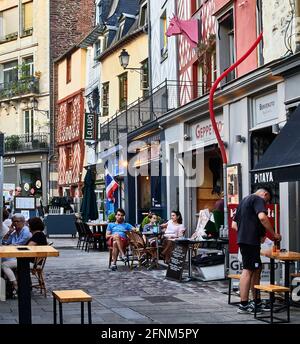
[145,78]
[28,124]
[105,99]
[120,30]
[69,158]
[104,41]
[97,49]
[163,37]
[196,4]
[9,24]
[99,11]
[69,69]
[226,44]
[10,72]
[27,67]
[69,114]
[27,23]
[143,15]
[123,91]
[214,71]
[259,24]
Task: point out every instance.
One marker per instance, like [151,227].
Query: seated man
[18,234]
[116,237]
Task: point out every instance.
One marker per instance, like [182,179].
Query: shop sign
[265,109]
[204,132]
[263,177]
[91,126]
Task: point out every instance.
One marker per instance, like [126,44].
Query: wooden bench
[231,277]
[272,289]
[67,296]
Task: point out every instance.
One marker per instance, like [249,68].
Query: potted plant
[111,217]
[12,143]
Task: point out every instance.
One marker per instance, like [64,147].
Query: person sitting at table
[172,230]
[116,237]
[18,234]
[152,228]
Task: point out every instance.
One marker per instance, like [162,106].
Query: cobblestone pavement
[123,296]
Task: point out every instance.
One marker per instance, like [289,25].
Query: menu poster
[175,267]
[234,185]
[25,203]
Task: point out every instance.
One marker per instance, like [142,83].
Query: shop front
[28,171]
[280,165]
[112,161]
[145,177]
[204,157]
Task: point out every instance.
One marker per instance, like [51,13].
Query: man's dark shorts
[250,256]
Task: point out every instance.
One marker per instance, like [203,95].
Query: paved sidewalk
[135,297]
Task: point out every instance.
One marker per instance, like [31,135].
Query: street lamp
[124,61]
[34,105]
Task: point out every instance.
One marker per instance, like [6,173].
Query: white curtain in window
[10,21]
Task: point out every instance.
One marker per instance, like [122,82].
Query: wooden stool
[231,277]
[272,289]
[66,296]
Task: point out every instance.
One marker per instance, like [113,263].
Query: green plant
[12,143]
[111,217]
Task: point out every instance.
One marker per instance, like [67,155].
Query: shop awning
[281,161]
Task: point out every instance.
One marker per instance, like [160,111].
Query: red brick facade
[70,21]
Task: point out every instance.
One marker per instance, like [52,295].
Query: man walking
[251,222]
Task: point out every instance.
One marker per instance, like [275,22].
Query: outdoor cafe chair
[37,271]
[81,234]
[140,251]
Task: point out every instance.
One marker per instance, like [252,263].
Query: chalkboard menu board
[176,264]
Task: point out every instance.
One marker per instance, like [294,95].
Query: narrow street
[128,297]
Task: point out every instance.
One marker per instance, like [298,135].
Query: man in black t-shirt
[251,222]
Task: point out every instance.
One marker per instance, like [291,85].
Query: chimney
[297,25]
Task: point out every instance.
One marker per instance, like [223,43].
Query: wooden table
[22,253]
[287,257]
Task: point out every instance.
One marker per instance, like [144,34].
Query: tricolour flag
[110,185]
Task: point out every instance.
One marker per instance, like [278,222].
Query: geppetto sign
[91,126]
[203,131]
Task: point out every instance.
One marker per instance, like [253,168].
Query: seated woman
[36,227]
[174,229]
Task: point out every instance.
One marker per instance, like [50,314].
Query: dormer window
[97,48]
[104,41]
[120,30]
[143,15]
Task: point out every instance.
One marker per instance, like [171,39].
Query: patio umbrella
[89,209]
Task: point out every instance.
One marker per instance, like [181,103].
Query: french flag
[110,185]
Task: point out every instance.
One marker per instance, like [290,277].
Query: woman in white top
[174,229]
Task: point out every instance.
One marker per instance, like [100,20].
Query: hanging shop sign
[91,126]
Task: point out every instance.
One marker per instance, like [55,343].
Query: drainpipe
[297,25]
